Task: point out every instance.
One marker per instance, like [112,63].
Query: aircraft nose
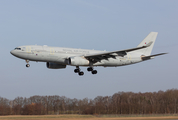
[12,52]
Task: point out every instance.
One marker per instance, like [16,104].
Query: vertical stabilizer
[150,38]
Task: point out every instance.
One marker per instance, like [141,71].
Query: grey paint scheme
[61,55]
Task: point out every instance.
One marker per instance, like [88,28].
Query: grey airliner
[59,57]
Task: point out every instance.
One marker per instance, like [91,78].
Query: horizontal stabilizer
[152,56]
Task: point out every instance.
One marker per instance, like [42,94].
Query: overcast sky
[89,24]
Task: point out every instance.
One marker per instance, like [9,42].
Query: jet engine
[78,61]
[51,65]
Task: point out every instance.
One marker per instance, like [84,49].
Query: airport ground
[88,117]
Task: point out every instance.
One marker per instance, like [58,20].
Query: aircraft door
[51,51]
[129,59]
[52,55]
[28,49]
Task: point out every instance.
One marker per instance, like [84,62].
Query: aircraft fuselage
[60,55]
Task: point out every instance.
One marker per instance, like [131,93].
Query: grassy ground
[87,117]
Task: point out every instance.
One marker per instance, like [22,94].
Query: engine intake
[51,65]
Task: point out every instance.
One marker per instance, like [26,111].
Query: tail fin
[150,38]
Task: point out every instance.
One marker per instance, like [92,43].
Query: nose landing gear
[27,65]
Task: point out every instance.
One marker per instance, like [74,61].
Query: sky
[87,24]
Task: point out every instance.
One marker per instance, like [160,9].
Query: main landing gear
[27,65]
[92,71]
[77,70]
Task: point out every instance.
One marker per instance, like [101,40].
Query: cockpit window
[17,48]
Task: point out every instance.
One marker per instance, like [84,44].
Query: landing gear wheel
[27,65]
[76,70]
[94,72]
[81,73]
[90,69]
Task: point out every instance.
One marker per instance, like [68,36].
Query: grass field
[88,117]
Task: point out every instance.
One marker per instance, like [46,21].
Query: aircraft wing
[113,54]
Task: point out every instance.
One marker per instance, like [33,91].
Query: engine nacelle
[51,65]
[78,61]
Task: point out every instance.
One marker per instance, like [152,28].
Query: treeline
[120,103]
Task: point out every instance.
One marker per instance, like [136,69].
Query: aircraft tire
[27,65]
[81,73]
[76,70]
[90,69]
[94,72]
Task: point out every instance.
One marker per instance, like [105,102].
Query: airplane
[60,57]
